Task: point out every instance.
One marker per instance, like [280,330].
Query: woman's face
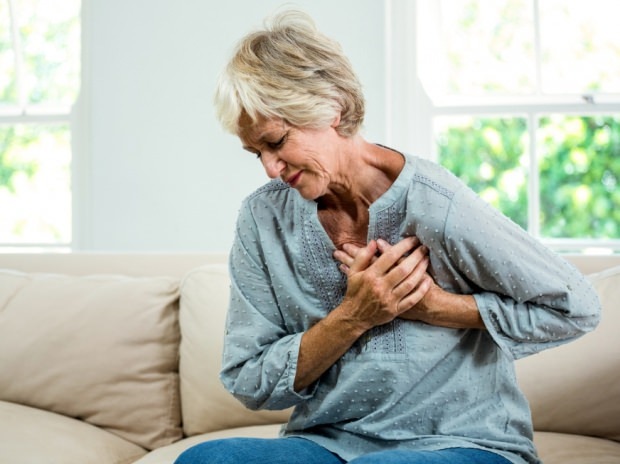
[306,159]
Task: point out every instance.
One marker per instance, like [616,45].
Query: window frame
[25,113]
[411,111]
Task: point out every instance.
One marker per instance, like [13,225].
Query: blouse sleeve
[529,298]
[260,355]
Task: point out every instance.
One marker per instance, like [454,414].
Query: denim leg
[446,456]
[258,451]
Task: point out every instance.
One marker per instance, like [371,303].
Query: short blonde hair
[290,71]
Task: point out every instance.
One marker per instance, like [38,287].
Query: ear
[336,122]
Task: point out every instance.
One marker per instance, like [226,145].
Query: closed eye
[272,146]
[278,144]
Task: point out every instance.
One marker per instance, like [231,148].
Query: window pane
[35,188]
[7,58]
[489,155]
[488,48]
[580,46]
[579,176]
[49,34]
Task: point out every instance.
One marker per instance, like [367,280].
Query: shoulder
[274,203]
[269,189]
[273,194]
[431,177]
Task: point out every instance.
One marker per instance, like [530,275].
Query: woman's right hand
[381,288]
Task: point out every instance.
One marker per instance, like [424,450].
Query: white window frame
[410,113]
[24,113]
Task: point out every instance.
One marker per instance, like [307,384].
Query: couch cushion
[33,436]
[561,448]
[100,348]
[553,448]
[575,388]
[168,454]
[206,405]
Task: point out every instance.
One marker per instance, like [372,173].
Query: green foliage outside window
[579,168]
[579,176]
[9,166]
[35,183]
[489,155]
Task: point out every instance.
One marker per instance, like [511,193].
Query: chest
[345,228]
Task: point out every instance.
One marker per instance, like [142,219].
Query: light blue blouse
[405,384]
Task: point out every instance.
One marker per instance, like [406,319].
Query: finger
[364,257]
[346,270]
[343,257]
[413,280]
[416,295]
[393,253]
[347,254]
[351,249]
[406,266]
[383,245]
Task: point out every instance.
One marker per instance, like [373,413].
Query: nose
[274,166]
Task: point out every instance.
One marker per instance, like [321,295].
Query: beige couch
[114,359]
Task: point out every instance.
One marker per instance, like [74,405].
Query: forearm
[445,309]
[324,344]
[378,291]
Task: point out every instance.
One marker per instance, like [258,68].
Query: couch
[114,358]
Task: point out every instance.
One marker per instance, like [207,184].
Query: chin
[311,192]
[308,196]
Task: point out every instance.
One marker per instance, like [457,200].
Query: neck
[366,172]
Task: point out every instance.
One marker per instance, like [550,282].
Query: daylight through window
[526,109]
[39,82]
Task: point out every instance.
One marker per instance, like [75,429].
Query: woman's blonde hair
[290,71]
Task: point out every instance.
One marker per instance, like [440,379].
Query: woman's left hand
[347,255]
[437,307]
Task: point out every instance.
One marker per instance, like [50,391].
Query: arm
[437,307]
[446,309]
[529,298]
[268,366]
[378,291]
[261,348]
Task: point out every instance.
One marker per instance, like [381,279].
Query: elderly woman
[371,290]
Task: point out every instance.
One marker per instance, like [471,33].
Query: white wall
[153,169]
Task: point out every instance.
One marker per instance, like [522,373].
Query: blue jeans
[302,451]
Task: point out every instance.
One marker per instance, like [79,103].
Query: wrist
[442,308]
[345,318]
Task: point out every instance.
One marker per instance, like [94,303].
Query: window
[524,99]
[39,82]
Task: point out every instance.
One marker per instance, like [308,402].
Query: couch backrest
[178,264]
[102,348]
[571,388]
[568,387]
[575,388]
[130,264]
[206,405]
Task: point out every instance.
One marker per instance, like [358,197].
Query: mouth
[294,179]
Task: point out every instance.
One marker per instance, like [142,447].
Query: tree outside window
[526,109]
